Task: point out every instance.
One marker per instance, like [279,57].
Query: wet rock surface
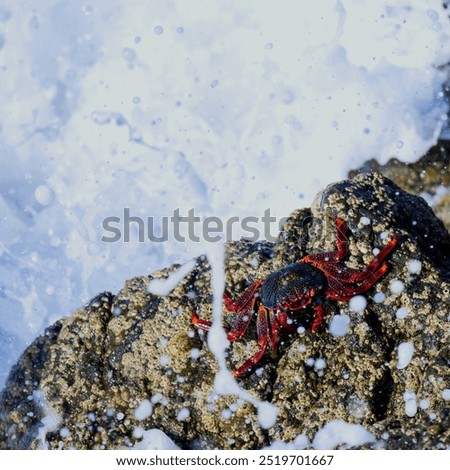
[428,177]
[133,361]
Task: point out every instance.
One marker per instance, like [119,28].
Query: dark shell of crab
[292,287]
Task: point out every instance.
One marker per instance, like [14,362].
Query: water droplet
[128,54]
[357,303]
[396,286]
[137,39]
[43,195]
[401,313]
[414,266]
[268,46]
[136,100]
[379,297]
[287,97]
[214,83]
[180,30]
[158,30]
[433,15]
[436,27]
[399,144]
[87,9]
[277,140]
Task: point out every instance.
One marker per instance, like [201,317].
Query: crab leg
[319,313]
[238,304]
[345,291]
[274,328]
[262,328]
[283,319]
[344,283]
[332,257]
[341,239]
[376,263]
[200,323]
[243,305]
[239,327]
[242,322]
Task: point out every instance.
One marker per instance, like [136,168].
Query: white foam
[405,354]
[358,303]
[410,403]
[165,286]
[154,439]
[338,433]
[339,325]
[144,410]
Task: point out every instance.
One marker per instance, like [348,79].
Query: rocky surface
[133,361]
[429,177]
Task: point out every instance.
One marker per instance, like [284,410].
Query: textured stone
[428,177]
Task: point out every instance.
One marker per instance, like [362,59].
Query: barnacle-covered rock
[132,362]
[428,177]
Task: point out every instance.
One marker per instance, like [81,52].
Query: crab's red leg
[242,322]
[200,323]
[238,304]
[345,283]
[345,291]
[341,239]
[274,329]
[262,328]
[283,319]
[378,259]
[243,305]
[239,327]
[319,313]
[331,257]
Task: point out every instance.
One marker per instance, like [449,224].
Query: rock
[133,362]
[428,177]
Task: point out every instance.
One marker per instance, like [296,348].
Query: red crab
[294,288]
